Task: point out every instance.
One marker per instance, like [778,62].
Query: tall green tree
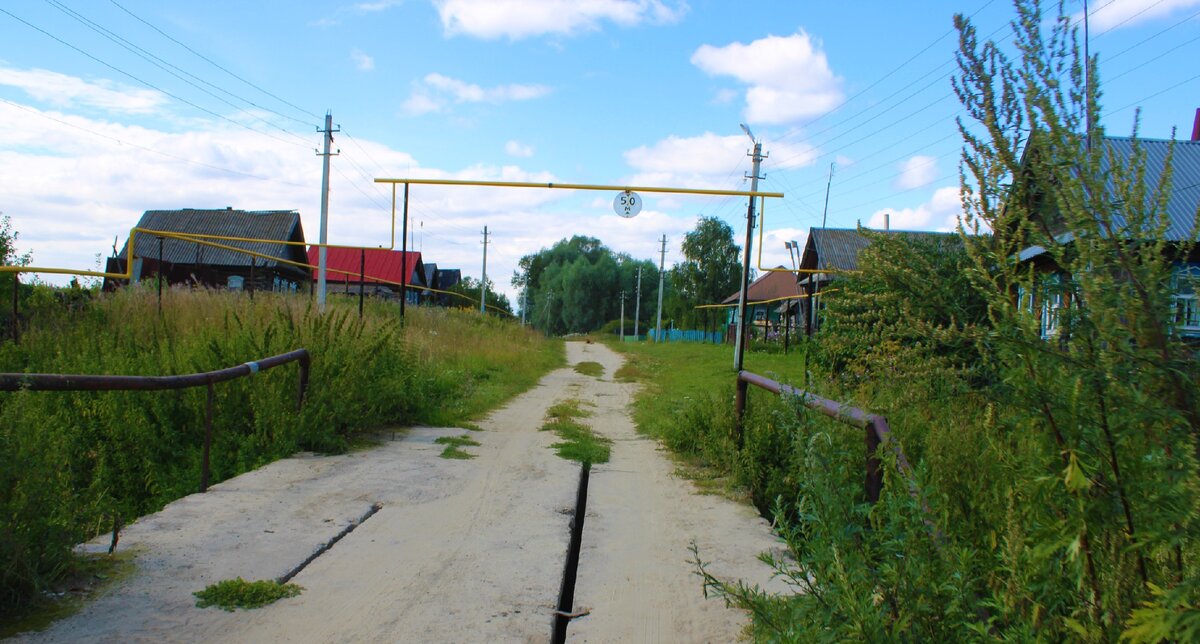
[711,271]
[575,286]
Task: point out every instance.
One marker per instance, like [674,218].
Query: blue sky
[117,107]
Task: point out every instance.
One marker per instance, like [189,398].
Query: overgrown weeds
[579,442]
[239,593]
[454,445]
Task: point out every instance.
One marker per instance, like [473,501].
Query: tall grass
[73,463]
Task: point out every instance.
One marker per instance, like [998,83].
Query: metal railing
[76,382]
[875,428]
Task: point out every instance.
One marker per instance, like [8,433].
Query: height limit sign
[627,204]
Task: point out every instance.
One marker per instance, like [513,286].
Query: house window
[236,282]
[1187,309]
[1051,305]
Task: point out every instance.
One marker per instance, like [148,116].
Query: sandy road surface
[460,551]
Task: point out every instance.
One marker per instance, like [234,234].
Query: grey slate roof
[837,249]
[1185,180]
[283,225]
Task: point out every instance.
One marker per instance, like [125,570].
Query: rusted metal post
[16,334]
[404,256]
[739,409]
[362,278]
[208,420]
[250,290]
[160,249]
[874,478]
[303,387]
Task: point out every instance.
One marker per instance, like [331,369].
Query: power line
[164,65]
[215,64]
[146,83]
[151,150]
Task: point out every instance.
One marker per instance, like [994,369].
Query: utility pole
[662,259]
[321,252]
[483,282]
[637,305]
[740,344]
[622,316]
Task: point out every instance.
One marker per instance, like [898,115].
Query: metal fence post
[16,334]
[739,409]
[874,478]
[208,420]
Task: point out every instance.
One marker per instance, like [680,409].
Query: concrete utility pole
[740,344]
[662,259]
[622,316]
[637,305]
[483,282]
[321,260]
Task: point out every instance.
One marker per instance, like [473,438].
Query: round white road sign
[627,204]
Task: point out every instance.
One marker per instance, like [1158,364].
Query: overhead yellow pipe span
[578,186]
[199,239]
[770,301]
[761,227]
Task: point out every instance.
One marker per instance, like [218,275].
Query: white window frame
[1187,307]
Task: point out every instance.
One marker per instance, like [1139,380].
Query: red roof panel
[381,264]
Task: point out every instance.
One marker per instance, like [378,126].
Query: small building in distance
[448,278]
[763,301]
[378,271]
[197,264]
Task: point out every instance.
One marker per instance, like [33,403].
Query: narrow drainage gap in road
[566,595]
[329,544]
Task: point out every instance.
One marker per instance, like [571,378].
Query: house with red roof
[376,271]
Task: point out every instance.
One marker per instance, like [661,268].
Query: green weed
[453,445]
[579,442]
[239,593]
[594,369]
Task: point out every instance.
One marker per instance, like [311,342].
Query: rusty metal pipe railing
[875,427]
[79,382]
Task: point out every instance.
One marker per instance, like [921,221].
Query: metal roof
[837,249]
[380,264]
[283,225]
[1185,179]
[768,286]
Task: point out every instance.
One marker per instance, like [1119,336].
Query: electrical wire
[217,65]
[143,82]
[151,150]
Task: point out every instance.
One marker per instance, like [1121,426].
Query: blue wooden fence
[675,335]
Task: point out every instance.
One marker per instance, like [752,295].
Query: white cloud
[435,91]
[915,172]
[362,61]
[725,96]
[419,104]
[1115,13]
[518,149]
[789,77]
[705,161]
[61,90]
[378,5]
[517,19]
[940,213]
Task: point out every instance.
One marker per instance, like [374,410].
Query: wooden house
[376,272]
[189,262]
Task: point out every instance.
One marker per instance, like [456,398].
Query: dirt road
[459,551]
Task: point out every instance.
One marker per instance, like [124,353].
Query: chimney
[1196,126]
[887,221]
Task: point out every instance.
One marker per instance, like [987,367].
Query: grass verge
[579,442]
